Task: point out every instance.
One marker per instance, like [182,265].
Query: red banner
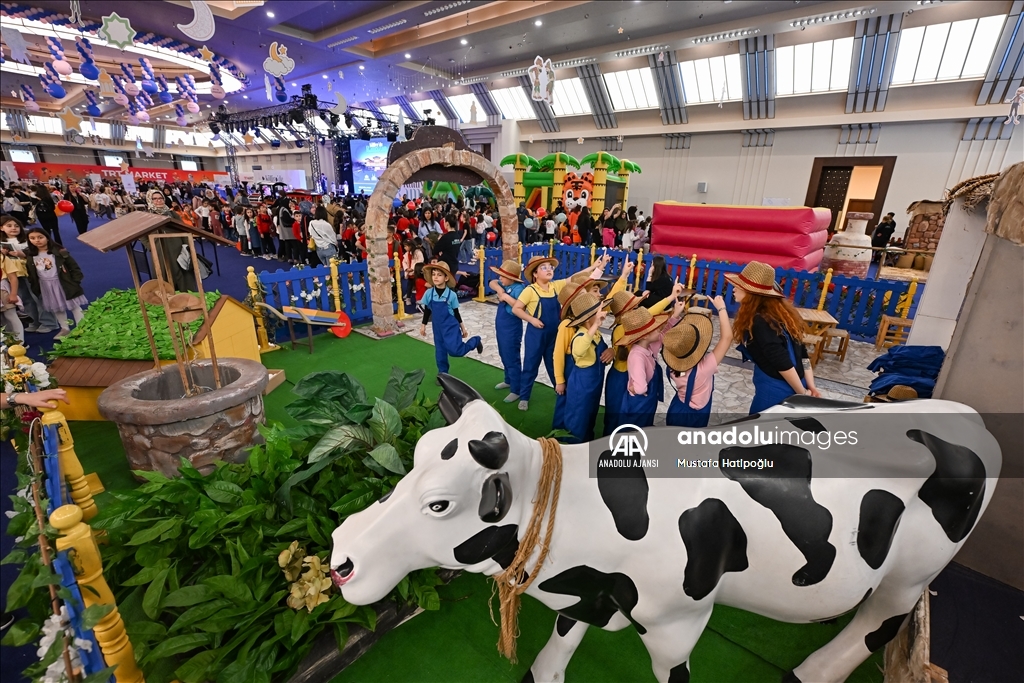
[43,172]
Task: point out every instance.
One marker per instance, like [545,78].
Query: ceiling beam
[346,26]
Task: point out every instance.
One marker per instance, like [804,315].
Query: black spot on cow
[880,513]
[805,401]
[563,625]
[790,677]
[877,639]
[448,451]
[808,424]
[832,620]
[385,496]
[495,498]
[679,673]
[956,490]
[785,489]
[624,492]
[715,544]
[495,542]
[528,678]
[601,595]
[491,451]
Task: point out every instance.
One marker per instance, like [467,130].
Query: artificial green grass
[457,644]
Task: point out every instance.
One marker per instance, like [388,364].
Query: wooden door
[832,186]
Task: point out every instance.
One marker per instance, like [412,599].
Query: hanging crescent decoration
[202,26]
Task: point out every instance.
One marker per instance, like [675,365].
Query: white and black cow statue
[658,553]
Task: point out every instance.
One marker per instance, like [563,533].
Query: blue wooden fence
[286,288]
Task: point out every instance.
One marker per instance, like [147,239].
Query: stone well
[158,427]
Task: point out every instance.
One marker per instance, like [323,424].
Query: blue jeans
[325,255]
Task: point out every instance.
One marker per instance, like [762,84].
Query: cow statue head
[458,508]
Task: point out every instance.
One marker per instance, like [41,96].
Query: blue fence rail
[297,286]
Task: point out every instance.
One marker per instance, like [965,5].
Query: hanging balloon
[279,90]
[143,116]
[148,82]
[131,88]
[60,64]
[217,89]
[30,98]
[94,104]
[179,112]
[165,90]
[144,99]
[51,82]
[193,107]
[132,118]
[88,66]
[120,96]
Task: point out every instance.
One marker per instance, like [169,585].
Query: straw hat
[535,262]
[442,267]
[686,343]
[756,278]
[509,268]
[568,293]
[638,323]
[624,301]
[584,307]
[898,392]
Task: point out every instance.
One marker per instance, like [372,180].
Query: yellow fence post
[639,271]
[551,248]
[70,465]
[593,253]
[520,252]
[481,256]
[824,289]
[336,283]
[401,315]
[77,536]
[252,279]
[909,300]
[692,273]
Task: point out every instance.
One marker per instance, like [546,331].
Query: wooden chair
[844,343]
[892,331]
[815,341]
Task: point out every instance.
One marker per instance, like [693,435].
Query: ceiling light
[323,75]
[538,23]
[445,8]
[361,67]
[649,49]
[294,86]
[342,41]
[270,14]
[245,97]
[838,16]
[385,27]
[464,41]
[408,56]
[727,36]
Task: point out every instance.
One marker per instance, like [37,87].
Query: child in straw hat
[508,329]
[642,335]
[770,332]
[615,382]
[537,305]
[441,308]
[583,391]
[691,369]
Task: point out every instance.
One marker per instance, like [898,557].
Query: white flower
[9,388]
[39,374]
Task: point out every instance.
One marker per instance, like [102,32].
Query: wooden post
[179,355]
[335,283]
[481,256]
[252,279]
[551,248]
[638,274]
[401,315]
[593,253]
[824,289]
[70,465]
[142,305]
[692,273]
[76,537]
[910,299]
[520,245]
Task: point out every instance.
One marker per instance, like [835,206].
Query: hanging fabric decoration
[278,63]
[94,104]
[117,31]
[29,97]
[50,81]
[217,89]
[401,125]
[165,90]
[179,113]
[88,66]
[60,65]
[148,78]
[266,85]
[131,88]
[202,26]
[279,90]
[16,44]
[121,96]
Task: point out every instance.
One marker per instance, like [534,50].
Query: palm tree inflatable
[602,163]
[558,162]
[625,168]
[520,163]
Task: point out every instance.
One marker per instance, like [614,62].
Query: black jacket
[68,272]
[767,348]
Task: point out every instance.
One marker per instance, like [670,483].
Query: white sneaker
[524,405]
[511,398]
[63,333]
[45,329]
[35,328]
[501,385]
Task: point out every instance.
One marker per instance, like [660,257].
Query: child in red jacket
[265,226]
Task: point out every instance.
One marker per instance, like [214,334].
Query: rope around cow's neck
[511,583]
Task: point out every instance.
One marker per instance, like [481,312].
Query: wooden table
[816,322]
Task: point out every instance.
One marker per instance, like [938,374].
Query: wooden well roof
[137,224]
[95,372]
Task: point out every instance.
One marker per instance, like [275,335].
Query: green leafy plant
[113,328]
[223,577]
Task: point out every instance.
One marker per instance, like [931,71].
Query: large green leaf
[94,614]
[231,587]
[151,601]
[402,387]
[354,501]
[385,422]
[195,669]
[199,613]
[387,456]
[342,438]
[152,533]
[190,595]
[21,633]
[224,492]
[330,384]
[178,644]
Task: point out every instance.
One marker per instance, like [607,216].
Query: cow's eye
[438,506]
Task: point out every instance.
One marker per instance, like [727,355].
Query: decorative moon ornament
[202,27]
[342,105]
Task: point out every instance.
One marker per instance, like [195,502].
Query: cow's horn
[491,451]
[455,394]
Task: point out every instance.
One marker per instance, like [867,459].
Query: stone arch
[388,186]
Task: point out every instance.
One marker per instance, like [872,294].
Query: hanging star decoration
[248,138]
[621,29]
[117,31]
[329,88]
[124,167]
[206,53]
[16,44]
[579,141]
[72,121]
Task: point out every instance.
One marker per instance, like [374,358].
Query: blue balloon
[181,121]
[93,110]
[150,87]
[56,91]
[89,70]
[282,96]
[166,97]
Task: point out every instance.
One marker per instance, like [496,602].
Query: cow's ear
[495,498]
[491,451]
[455,394]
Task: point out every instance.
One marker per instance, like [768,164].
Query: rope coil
[514,580]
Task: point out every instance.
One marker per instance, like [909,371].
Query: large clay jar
[159,426]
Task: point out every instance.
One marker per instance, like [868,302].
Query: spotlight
[348,120]
[300,143]
[364,134]
[274,144]
[297,116]
[214,128]
[392,136]
[334,120]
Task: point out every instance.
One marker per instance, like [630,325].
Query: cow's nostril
[345,568]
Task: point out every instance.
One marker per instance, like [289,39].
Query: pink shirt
[706,368]
[642,363]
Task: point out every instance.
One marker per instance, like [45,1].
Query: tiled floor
[847,380]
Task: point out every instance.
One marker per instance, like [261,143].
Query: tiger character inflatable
[577,192]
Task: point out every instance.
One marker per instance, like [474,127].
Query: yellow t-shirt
[621,352]
[15,265]
[562,348]
[532,295]
[584,348]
